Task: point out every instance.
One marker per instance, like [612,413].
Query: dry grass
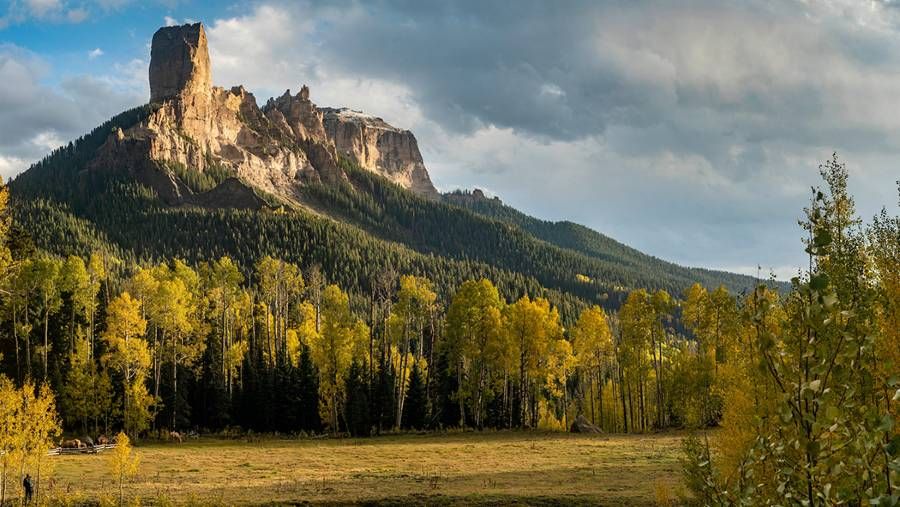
[435,469]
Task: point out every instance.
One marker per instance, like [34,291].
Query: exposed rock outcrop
[179,62]
[379,147]
[194,126]
[298,114]
[582,425]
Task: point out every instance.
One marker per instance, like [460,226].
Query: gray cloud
[35,118]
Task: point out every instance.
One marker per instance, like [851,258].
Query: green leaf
[818,282]
[823,238]
[893,447]
[887,423]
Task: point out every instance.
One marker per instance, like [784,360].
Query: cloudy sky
[690,130]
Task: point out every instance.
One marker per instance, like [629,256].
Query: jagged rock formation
[379,147]
[297,114]
[195,126]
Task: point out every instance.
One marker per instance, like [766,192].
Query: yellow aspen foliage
[128,354]
[738,425]
[592,340]
[474,331]
[592,345]
[123,464]
[332,351]
[29,427]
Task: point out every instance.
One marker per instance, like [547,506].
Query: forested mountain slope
[579,238]
[371,225]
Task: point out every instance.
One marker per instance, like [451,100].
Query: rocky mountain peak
[195,127]
[297,113]
[179,62]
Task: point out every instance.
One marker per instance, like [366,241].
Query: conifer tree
[357,401]
[416,402]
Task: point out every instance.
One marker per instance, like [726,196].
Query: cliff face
[195,127]
[179,62]
[379,147]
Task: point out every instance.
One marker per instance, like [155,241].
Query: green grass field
[435,469]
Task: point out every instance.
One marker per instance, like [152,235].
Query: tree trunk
[72,328]
[462,404]
[622,393]
[591,396]
[157,367]
[523,380]
[125,393]
[16,341]
[401,379]
[660,403]
[643,412]
[27,344]
[371,340]
[174,380]
[600,395]
[91,327]
[480,397]
[46,344]
[226,384]
[430,365]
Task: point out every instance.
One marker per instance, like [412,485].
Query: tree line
[206,345]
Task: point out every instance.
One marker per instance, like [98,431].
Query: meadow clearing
[429,469]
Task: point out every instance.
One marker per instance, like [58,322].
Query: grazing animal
[71,444]
[174,435]
[88,441]
[102,440]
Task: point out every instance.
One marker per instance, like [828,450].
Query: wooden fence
[96,449]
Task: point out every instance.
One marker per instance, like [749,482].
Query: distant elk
[72,444]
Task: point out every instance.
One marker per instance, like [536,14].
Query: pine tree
[414,414]
[357,401]
[308,389]
[383,400]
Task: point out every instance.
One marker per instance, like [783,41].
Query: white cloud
[170,21]
[11,166]
[94,53]
[76,15]
[54,11]
[42,8]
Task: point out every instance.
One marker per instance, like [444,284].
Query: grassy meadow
[429,469]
